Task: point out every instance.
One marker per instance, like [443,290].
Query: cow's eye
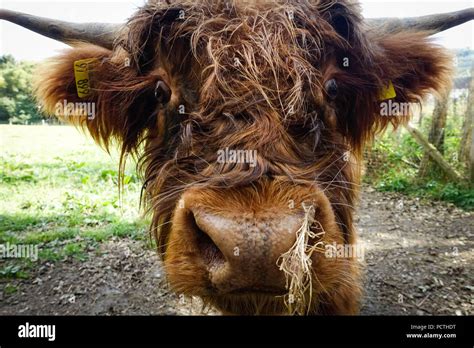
[331,88]
[162,92]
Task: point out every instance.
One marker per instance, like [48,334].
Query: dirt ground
[418,260]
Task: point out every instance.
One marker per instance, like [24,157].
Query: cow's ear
[64,82]
[389,74]
[93,88]
[414,64]
[409,66]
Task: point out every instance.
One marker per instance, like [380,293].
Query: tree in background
[466,153]
[437,131]
[17,104]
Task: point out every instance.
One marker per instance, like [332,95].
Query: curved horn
[435,23]
[101,34]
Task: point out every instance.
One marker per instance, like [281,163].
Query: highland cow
[297,84]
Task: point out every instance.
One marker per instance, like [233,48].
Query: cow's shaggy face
[257,142]
[249,121]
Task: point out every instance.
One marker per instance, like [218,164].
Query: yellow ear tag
[81,73]
[387,92]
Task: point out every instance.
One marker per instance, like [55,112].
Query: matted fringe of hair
[296,265]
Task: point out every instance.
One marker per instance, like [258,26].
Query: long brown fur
[249,75]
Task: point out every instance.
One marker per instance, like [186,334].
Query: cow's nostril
[211,254]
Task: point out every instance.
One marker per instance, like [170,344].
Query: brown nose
[241,251]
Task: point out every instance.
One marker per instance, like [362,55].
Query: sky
[25,45]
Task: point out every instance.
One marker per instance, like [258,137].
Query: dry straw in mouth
[296,265]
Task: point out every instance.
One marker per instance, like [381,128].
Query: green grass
[10,289]
[58,190]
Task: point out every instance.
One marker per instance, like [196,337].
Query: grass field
[58,191]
